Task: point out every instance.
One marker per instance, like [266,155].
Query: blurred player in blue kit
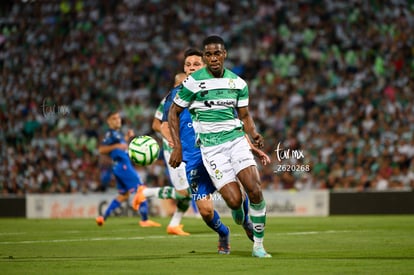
[115,145]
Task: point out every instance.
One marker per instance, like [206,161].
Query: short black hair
[191,52]
[111,113]
[213,39]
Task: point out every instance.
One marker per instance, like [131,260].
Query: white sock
[258,242]
[176,218]
[151,192]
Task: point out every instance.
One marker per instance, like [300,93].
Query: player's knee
[206,209]
[234,202]
[232,195]
[255,195]
[206,213]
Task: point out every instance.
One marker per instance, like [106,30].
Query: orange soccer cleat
[100,220]
[177,230]
[139,197]
[149,223]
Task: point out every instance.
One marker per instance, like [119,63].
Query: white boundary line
[161,237]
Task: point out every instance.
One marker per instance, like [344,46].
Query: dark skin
[214,56]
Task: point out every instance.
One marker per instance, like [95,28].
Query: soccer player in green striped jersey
[213,94]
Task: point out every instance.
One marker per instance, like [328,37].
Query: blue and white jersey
[198,178]
[187,135]
[117,155]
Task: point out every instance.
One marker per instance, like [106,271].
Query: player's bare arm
[174,125]
[165,132]
[250,127]
[129,135]
[156,125]
[263,157]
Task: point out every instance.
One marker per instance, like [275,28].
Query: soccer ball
[143,150]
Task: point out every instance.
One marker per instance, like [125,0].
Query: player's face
[193,63]
[114,121]
[214,55]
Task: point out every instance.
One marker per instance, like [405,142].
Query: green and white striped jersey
[212,102]
[158,115]
[160,110]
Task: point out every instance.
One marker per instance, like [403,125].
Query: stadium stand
[331,80]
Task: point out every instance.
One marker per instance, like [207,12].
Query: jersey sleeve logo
[202,85]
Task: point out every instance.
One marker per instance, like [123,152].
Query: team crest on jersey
[194,187]
[218,174]
[232,84]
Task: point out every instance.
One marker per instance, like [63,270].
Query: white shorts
[178,175]
[223,162]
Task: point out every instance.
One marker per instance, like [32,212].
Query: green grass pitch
[314,245]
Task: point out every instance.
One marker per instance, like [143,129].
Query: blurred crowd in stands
[331,86]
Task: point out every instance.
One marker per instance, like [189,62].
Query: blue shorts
[127,178]
[199,180]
